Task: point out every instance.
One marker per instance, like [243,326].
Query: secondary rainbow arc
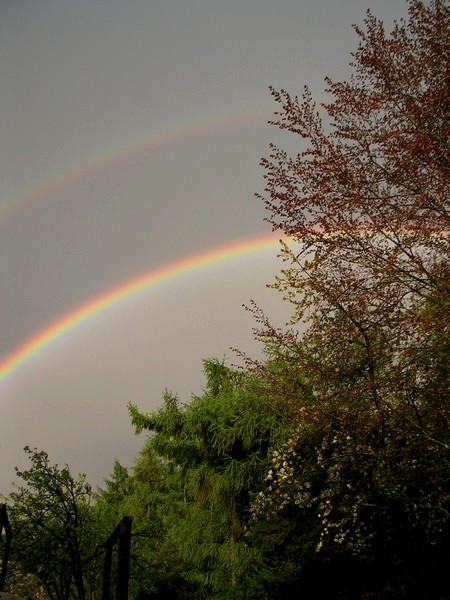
[124,290]
[112,155]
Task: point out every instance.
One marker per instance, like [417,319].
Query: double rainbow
[107,158]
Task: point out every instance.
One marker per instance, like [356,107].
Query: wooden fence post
[123,561]
[106,586]
[4,524]
[121,536]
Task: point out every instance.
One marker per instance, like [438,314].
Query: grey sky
[79,77]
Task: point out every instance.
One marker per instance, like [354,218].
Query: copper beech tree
[366,202]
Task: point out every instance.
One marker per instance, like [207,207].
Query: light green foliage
[213,452]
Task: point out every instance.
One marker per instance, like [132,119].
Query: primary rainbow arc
[70,320]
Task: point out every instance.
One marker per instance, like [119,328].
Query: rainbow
[121,292]
[109,156]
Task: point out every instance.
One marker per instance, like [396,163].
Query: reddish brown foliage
[367,203]
[368,199]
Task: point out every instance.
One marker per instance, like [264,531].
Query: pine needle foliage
[216,449]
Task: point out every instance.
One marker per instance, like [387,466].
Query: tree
[52,526]
[367,203]
[213,454]
[111,500]
[368,199]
